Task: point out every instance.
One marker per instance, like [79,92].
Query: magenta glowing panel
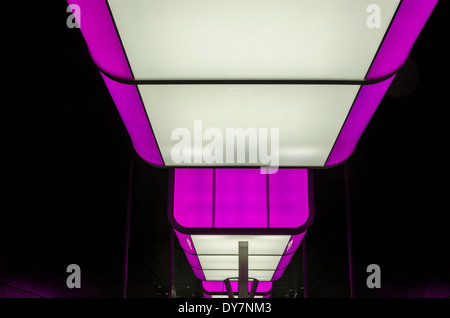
[217,289]
[195,200]
[239,198]
[182,88]
[213,209]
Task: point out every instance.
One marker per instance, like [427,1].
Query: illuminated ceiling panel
[215,39]
[314,70]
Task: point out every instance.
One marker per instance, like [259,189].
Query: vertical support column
[172,233]
[171,263]
[312,207]
[349,231]
[127,229]
[305,273]
[243,270]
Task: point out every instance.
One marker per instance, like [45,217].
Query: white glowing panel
[219,255]
[307,119]
[209,39]
[229,244]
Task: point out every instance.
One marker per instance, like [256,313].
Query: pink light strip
[277,274]
[367,101]
[294,243]
[128,103]
[105,48]
[98,30]
[403,32]
[198,273]
[291,247]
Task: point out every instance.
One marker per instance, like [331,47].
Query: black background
[65,168]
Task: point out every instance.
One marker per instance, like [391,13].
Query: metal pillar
[243,278]
[243,270]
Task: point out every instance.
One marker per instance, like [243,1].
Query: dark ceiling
[66,158]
